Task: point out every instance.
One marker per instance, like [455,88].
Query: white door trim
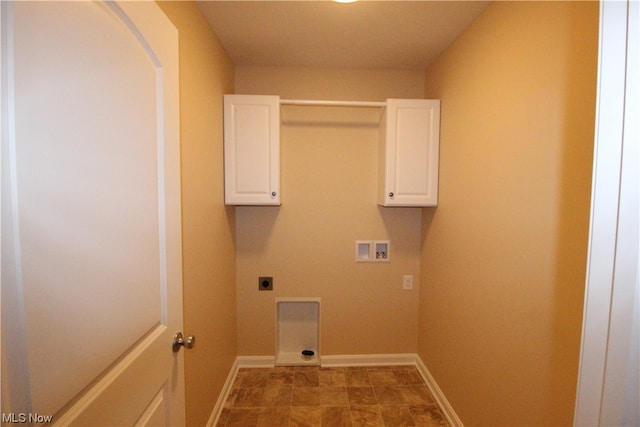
[609,347]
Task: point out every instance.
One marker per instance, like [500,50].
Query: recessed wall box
[265,283]
[364,251]
[297,331]
[382,251]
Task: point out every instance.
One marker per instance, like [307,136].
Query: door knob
[180,341]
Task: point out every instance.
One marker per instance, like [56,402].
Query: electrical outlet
[407,282]
[265,283]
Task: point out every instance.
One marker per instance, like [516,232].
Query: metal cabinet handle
[180,341]
[391,194]
[273,193]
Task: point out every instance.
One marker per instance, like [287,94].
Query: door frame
[609,337]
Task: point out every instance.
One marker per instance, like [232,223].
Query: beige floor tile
[361,396]
[306,378]
[280,378]
[248,397]
[336,416]
[334,396]
[245,417]
[382,377]
[302,416]
[258,378]
[306,396]
[331,378]
[366,416]
[357,378]
[416,395]
[427,415]
[389,395]
[408,376]
[330,397]
[274,417]
[277,396]
[396,416]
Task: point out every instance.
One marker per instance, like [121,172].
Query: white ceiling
[366,34]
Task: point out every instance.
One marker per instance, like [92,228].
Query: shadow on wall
[404,241]
[262,224]
[578,117]
[333,117]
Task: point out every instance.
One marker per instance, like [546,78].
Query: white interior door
[91,244]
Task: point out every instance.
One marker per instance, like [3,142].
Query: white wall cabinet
[252,149]
[408,153]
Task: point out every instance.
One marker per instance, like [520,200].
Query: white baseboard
[368,359]
[224,395]
[343,360]
[256,361]
[438,395]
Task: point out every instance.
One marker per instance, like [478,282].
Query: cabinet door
[409,153]
[252,149]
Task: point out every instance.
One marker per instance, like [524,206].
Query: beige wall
[504,254]
[328,176]
[208,242]
[502,263]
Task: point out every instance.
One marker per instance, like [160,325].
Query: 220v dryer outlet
[265,283]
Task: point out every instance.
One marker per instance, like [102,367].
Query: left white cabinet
[252,149]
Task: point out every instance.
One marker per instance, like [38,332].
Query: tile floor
[342,396]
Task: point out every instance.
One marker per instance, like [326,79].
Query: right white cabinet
[408,156]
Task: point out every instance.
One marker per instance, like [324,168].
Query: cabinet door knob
[391,194]
[273,193]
